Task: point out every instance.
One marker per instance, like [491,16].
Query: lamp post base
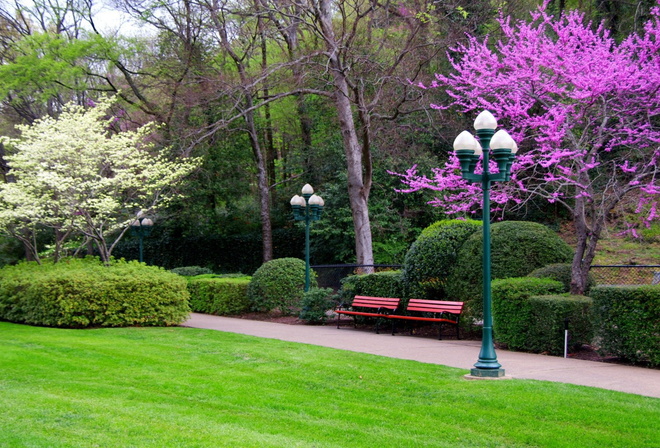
[486,373]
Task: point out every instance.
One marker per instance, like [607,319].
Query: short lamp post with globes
[141,228]
[308,208]
[469,150]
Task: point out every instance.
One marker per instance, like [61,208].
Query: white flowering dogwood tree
[75,175]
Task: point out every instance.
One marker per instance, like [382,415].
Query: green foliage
[514,314]
[279,285]
[628,321]
[315,304]
[83,293]
[191,271]
[169,248]
[431,258]
[220,296]
[517,248]
[562,273]
[379,284]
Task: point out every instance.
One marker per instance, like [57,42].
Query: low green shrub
[562,273]
[279,285]
[379,284]
[512,310]
[627,319]
[219,296]
[191,271]
[315,304]
[84,292]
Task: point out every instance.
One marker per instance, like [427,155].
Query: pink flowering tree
[584,109]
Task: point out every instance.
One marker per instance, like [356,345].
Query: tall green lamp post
[141,228]
[308,208]
[469,150]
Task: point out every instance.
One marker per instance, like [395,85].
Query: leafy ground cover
[170,387]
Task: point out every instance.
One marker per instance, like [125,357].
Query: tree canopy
[584,107]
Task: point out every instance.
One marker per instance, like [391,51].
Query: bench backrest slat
[435,306]
[376,302]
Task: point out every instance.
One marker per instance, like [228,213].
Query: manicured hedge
[518,322]
[83,292]
[379,284]
[628,321]
[219,296]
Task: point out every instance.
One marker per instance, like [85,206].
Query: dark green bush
[84,292]
[279,285]
[431,258]
[517,248]
[562,273]
[628,321]
[379,284]
[220,296]
[512,310]
[191,271]
[315,304]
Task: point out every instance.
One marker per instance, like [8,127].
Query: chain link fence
[330,275]
[626,274]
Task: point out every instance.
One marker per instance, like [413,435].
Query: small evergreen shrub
[379,284]
[191,271]
[80,293]
[512,310]
[562,273]
[628,321]
[315,304]
[279,285]
[219,296]
[431,258]
[517,248]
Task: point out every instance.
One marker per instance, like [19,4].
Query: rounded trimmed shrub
[279,285]
[79,293]
[431,257]
[517,248]
[562,273]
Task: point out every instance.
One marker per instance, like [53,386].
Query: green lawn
[180,387]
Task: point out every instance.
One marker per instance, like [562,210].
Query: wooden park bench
[377,307]
[435,311]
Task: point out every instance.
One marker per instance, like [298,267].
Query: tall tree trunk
[359,184]
[253,134]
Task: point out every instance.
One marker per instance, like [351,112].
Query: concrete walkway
[453,353]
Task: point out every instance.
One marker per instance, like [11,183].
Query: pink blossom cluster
[584,109]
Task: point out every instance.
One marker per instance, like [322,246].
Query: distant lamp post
[308,208]
[468,150]
[141,228]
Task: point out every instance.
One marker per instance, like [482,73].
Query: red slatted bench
[379,307]
[436,311]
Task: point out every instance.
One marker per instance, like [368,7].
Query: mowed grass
[181,387]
